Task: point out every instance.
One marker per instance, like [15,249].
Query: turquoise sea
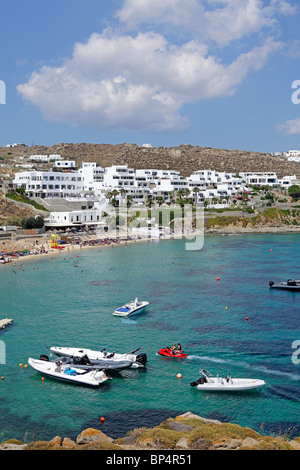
[55,302]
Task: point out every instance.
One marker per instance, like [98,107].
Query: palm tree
[109,195]
[196,191]
[180,193]
[186,192]
[122,192]
[149,201]
[115,193]
[159,200]
[129,200]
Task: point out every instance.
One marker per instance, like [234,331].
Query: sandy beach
[12,251]
[33,248]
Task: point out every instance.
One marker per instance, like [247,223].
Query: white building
[288,181]
[45,158]
[93,180]
[44,184]
[75,218]
[292,153]
[119,176]
[39,158]
[65,164]
[268,178]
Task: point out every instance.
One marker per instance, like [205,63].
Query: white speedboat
[60,371]
[290,284]
[137,360]
[219,384]
[130,308]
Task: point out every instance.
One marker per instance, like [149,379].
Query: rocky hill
[188,432]
[184,158]
[10,210]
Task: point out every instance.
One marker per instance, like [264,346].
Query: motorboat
[227,384]
[59,370]
[137,360]
[168,352]
[130,308]
[290,284]
[84,362]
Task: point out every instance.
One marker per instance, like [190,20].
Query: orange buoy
[43,379]
[20,365]
[102,419]
[218,278]
[179,376]
[246,318]
[2,378]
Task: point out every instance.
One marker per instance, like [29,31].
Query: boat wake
[245,365]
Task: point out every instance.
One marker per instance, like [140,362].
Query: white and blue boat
[59,370]
[130,308]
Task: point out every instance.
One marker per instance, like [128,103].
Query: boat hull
[285,287]
[136,360]
[235,385]
[51,369]
[293,286]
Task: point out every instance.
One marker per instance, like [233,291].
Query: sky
[213,73]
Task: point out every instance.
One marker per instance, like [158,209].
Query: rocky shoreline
[186,432]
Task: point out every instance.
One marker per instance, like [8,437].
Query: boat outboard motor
[84,360]
[44,357]
[271,283]
[141,359]
[200,381]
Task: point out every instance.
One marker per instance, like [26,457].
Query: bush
[294,191]
[32,222]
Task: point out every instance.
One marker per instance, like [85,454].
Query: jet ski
[168,352]
[227,384]
[137,360]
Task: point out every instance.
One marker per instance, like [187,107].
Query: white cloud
[136,82]
[222,21]
[142,81]
[290,127]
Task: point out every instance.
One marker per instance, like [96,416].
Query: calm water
[60,304]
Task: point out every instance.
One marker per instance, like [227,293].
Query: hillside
[11,210]
[184,158]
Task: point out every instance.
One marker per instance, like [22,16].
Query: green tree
[294,191]
[32,222]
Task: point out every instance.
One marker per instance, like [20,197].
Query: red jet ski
[168,352]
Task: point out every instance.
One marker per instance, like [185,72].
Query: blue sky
[215,73]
